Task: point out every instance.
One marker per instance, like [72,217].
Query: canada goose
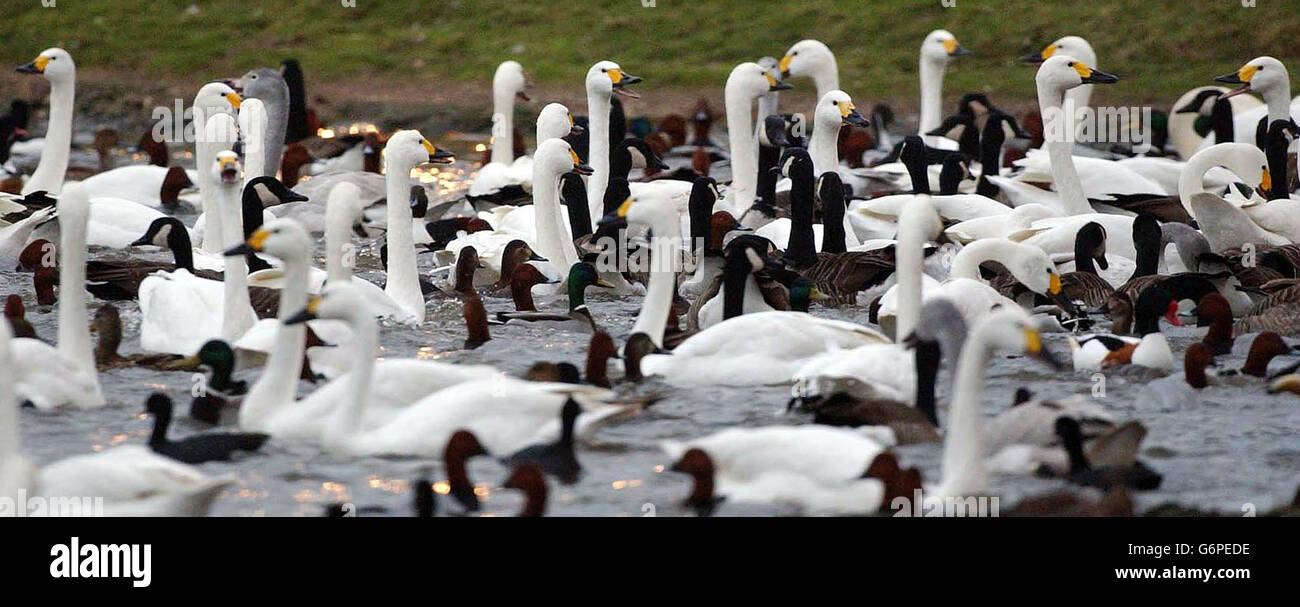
[1137,476]
[1083,284]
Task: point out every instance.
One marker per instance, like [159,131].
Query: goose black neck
[919,175]
[1083,257]
[617,122]
[296,129]
[615,193]
[701,211]
[990,154]
[1277,165]
[1221,121]
[178,240]
[1147,242]
[950,178]
[927,355]
[735,274]
[833,200]
[252,211]
[573,192]
[568,419]
[802,246]
[969,142]
[620,161]
[1074,448]
[768,158]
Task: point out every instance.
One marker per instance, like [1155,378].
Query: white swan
[180,311]
[1224,224]
[1072,46]
[963,468]
[58,68]
[1058,74]
[746,83]
[130,479]
[1268,77]
[937,50]
[49,377]
[817,467]
[212,99]
[389,385]
[508,84]
[605,78]
[975,299]
[405,151]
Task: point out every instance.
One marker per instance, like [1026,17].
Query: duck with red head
[1195,360]
[522,281]
[460,447]
[476,324]
[1213,310]
[529,479]
[15,314]
[599,350]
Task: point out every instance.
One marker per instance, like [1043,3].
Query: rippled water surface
[1221,449]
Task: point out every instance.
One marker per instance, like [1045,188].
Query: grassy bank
[1159,47]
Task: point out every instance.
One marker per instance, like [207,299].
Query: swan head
[1073,46]
[1011,329]
[53,63]
[510,78]
[836,108]
[555,157]
[607,78]
[805,58]
[226,168]
[408,149]
[1029,264]
[282,238]
[218,97]
[337,301]
[751,81]
[1245,160]
[555,121]
[939,46]
[1263,75]
[1062,72]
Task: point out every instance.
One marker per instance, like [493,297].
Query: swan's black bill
[28,68]
[960,51]
[1233,78]
[780,85]
[1033,58]
[582,169]
[621,87]
[440,156]
[857,119]
[1100,77]
[612,220]
[576,130]
[242,249]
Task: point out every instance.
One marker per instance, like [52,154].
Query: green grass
[1160,48]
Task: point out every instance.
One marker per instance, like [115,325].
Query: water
[1229,447]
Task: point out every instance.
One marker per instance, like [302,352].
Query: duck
[1150,349]
[581,276]
[555,458]
[116,280]
[63,376]
[708,230]
[461,446]
[56,66]
[1082,472]
[130,479]
[218,402]
[1213,311]
[815,467]
[505,414]
[15,315]
[107,324]
[528,478]
[216,447]
[149,185]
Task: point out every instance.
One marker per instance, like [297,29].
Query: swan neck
[346,422]
[963,453]
[598,108]
[337,240]
[53,166]
[237,312]
[503,125]
[931,95]
[744,150]
[664,257]
[74,330]
[822,148]
[551,240]
[278,382]
[909,255]
[403,277]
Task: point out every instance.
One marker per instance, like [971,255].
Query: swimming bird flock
[879,275]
